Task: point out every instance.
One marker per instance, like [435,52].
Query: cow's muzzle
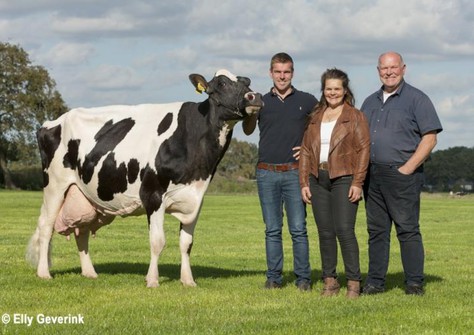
[254,101]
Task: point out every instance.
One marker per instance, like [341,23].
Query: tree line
[446,170]
[28,97]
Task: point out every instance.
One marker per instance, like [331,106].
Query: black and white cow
[131,160]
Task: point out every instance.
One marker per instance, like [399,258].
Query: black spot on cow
[48,143]
[112,178]
[152,190]
[133,168]
[165,123]
[107,138]
[192,152]
[70,159]
[191,245]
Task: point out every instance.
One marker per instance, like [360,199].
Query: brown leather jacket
[348,148]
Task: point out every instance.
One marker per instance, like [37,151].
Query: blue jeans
[278,190]
[392,197]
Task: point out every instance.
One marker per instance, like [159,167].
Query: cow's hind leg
[82,242]
[39,247]
[185,246]
[157,243]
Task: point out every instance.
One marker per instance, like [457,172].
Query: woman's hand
[296,152]
[355,194]
[306,194]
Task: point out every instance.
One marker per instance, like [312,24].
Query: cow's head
[231,92]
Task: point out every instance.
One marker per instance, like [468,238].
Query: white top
[326,131]
[387,95]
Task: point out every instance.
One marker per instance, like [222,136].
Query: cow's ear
[199,82]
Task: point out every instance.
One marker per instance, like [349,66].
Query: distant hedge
[31,178]
[25,178]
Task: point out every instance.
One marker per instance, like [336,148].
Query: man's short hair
[281,57]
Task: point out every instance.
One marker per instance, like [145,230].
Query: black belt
[323,166]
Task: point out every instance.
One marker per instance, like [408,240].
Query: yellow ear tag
[200,88]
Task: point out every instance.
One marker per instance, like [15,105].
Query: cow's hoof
[152,284]
[189,283]
[89,275]
[44,276]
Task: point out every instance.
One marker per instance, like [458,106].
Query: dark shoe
[269,284]
[331,287]
[304,286]
[370,289]
[414,290]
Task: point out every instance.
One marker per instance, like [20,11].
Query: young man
[403,129]
[281,123]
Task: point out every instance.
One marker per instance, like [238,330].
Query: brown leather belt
[278,167]
[324,166]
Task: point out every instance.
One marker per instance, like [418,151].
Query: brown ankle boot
[353,289]
[331,287]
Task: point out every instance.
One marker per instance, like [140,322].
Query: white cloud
[104,51]
[69,53]
[110,77]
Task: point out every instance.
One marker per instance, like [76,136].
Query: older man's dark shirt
[396,126]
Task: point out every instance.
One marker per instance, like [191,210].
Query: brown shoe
[331,287]
[353,289]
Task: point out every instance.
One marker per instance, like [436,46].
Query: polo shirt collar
[293,90]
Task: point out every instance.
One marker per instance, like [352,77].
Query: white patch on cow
[228,74]
[184,201]
[225,131]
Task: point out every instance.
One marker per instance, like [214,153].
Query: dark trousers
[335,218]
[394,197]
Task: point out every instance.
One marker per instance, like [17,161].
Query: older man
[403,128]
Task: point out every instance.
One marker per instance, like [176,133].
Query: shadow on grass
[171,272]
[289,277]
[397,280]
[393,280]
[168,272]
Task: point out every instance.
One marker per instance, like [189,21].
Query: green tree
[447,169]
[239,160]
[28,97]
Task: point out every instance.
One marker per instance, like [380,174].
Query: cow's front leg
[82,242]
[185,246]
[157,243]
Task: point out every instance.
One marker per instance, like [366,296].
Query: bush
[25,178]
[220,185]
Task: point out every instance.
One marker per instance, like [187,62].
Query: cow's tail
[33,249]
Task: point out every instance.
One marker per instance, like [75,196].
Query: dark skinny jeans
[335,218]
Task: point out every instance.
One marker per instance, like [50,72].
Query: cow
[99,163]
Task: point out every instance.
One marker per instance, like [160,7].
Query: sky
[107,52]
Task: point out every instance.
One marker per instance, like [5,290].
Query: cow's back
[102,150]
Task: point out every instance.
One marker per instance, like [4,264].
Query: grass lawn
[228,262]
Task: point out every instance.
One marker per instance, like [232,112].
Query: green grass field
[228,262]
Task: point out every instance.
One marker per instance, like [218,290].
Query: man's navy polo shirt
[396,126]
[281,124]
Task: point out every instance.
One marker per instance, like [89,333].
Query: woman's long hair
[334,73]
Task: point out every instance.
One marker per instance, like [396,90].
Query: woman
[333,163]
